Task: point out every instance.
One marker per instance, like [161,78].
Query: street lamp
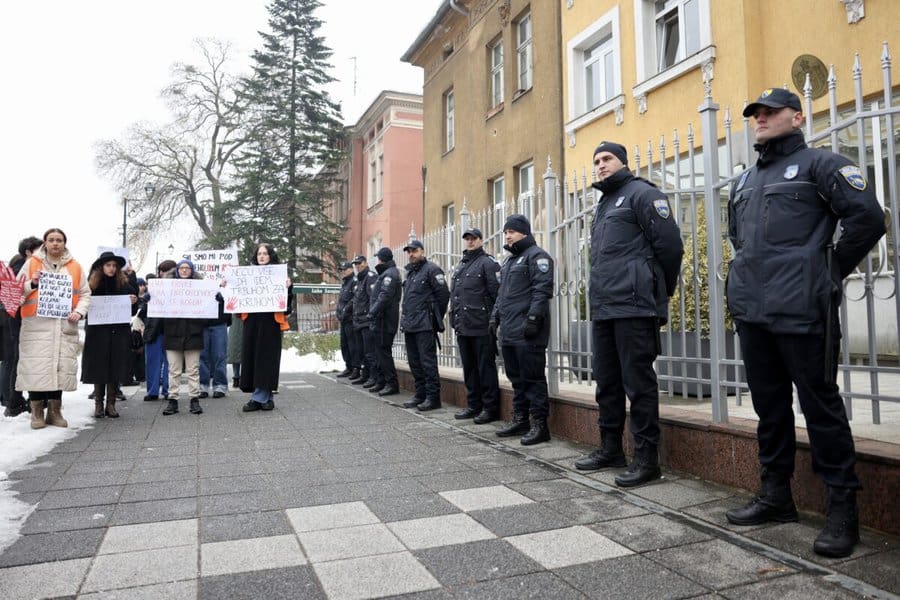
[148,189]
[171,249]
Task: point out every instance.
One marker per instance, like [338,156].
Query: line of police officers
[784,288]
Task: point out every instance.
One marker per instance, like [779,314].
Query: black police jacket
[365,281]
[526,286]
[384,303]
[425,298]
[344,309]
[636,250]
[782,215]
[476,280]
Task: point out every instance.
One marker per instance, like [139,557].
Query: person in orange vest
[48,345]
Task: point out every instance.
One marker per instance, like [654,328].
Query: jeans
[212,359]
[262,396]
[157,367]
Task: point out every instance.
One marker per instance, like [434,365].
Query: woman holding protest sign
[261,343]
[57,296]
[106,359]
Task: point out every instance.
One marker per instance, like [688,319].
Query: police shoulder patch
[440,279]
[387,280]
[791,171]
[662,207]
[543,264]
[853,176]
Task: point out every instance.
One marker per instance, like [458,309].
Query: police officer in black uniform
[384,313]
[636,252]
[522,314]
[474,292]
[425,299]
[784,288]
[344,314]
[365,281]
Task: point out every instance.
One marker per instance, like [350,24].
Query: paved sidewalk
[337,494]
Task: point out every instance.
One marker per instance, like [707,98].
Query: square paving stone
[445,530]
[163,462]
[595,508]
[535,586]
[649,532]
[564,547]
[232,469]
[793,587]
[297,496]
[87,480]
[432,467]
[443,482]
[250,554]
[519,474]
[374,576]
[679,494]
[481,498]
[797,538]
[242,502]
[244,525]
[33,484]
[475,561]
[330,516]
[349,542]
[166,474]
[553,451]
[176,590]
[148,536]
[81,497]
[67,519]
[130,569]
[271,584]
[386,488]
[403,508]
[47,547]
[629,577]
[31,581]
[880,570]
[101,466]
[159,490]
[155,510]
[228,485]
[717,564]
[554,489]
[525,518]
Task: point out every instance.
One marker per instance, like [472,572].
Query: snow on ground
[20,445]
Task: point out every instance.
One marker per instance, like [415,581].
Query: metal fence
[701,354]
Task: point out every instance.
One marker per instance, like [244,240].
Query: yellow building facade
[634,70]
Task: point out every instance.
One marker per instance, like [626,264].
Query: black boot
[195,406]
[363,378]
[644,468]
[370,383]
[841,531]
[608,455]
[519,425]
[389,390]
[377,388]
[171,408]
[16,406]
[772,503]
[538,433]
[429,404]
[486,416]
[466,413]
[354,374]
[413,402]
[235,382]
[346,372]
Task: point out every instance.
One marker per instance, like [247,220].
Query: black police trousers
[346,341]
[421,352]
[477,354]
[524,366]
[384,344]
[624,351]
[776,361]
[370,359]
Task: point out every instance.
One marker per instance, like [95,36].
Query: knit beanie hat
[518,223]
[617,150]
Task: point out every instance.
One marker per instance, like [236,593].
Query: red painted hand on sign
[282,303]
[231,304]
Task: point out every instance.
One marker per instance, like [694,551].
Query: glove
[533,327]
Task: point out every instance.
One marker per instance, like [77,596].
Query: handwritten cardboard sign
[212,263]
[183,298]
[11,294]
[54,295]
[106,310]
[257,288]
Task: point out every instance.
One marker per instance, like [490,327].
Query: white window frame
[525,181]
[606,25]
[373,184]
[649,74]
[525,52]
[449,118]
[379,190]
[495,53]
[498,199]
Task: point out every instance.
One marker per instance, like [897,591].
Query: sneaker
[195,407]
[150,398]
[268,405]
[218,394]
[252,406]
[204,394]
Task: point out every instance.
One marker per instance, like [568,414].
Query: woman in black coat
[106,359]
[261,344]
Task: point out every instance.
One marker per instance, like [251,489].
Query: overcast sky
[72,73]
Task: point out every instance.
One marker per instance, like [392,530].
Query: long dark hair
[273,256]
[97,276]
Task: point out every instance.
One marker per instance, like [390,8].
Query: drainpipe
[458,8]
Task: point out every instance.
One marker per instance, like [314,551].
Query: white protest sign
[257,288]
[117,250]
[54,295]
[108,310]
[212,263]
[183,298]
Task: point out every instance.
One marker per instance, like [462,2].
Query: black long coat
[107,356]
[261,350]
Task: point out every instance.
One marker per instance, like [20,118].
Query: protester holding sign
[106,358]
[13,399]
[48,345]
[261,344]
[154,341]
[184,342]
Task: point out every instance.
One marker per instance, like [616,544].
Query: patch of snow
[291,362]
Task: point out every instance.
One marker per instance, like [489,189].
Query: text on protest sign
[182,298]
[212,263]
[108,310]
[11,294]
[257,288]
[54,295]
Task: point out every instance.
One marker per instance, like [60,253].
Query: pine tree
[282,188]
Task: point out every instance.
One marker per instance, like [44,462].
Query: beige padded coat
[48,348]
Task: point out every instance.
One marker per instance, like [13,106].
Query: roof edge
[426,32]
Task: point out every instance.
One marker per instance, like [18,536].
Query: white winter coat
[48,348]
